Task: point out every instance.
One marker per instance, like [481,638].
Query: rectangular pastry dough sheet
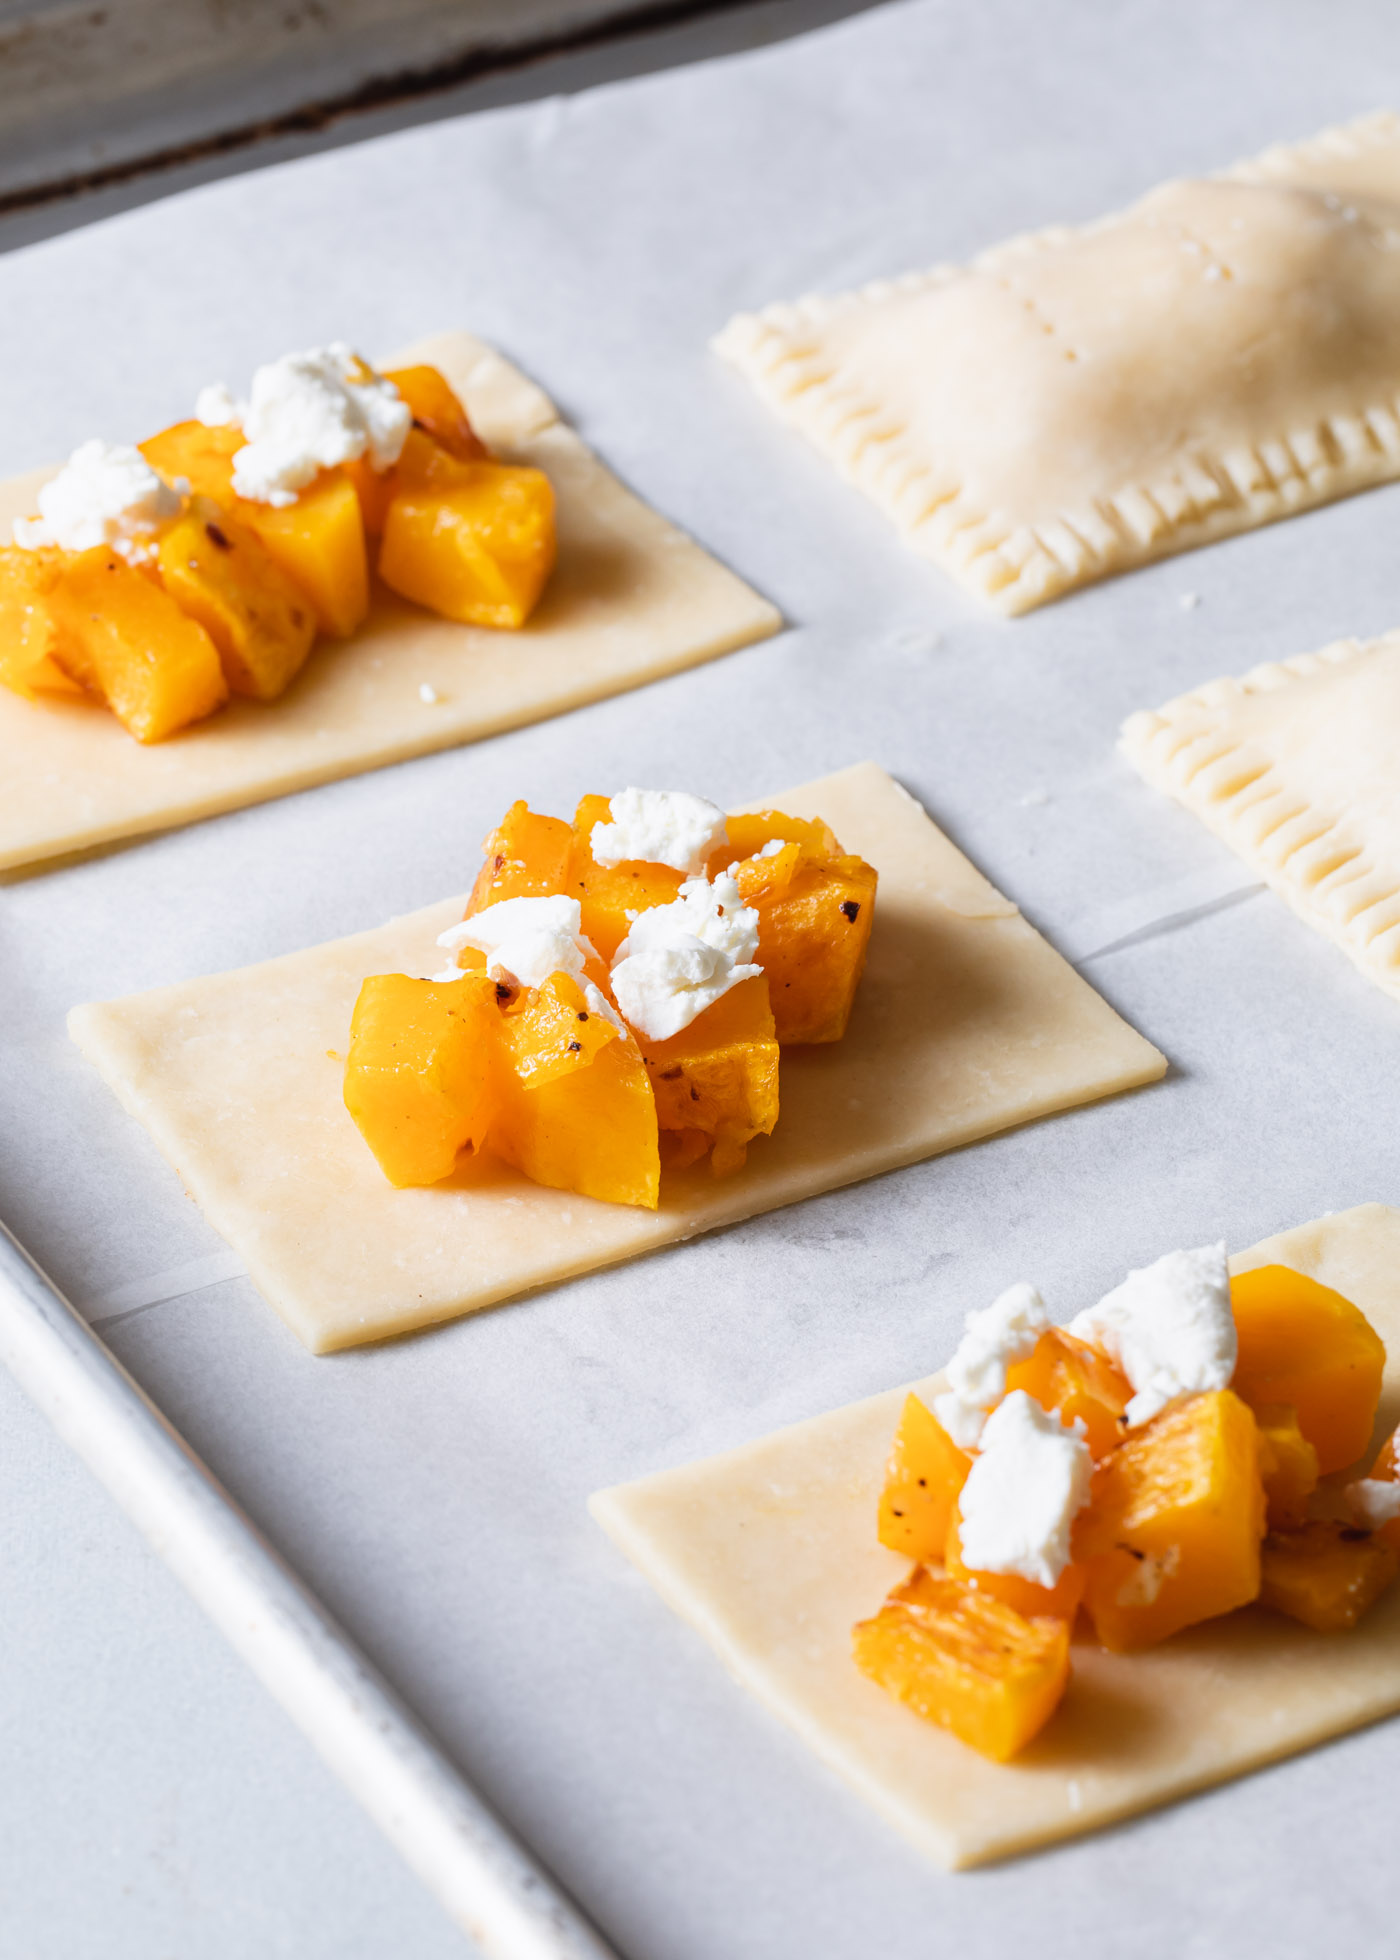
[1078,401]
[630,599]
[770,1552]
[967,1022]
[1295,767]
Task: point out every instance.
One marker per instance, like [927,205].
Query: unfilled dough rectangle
[770,1552]
[967,1022]
[1081,400]
[1295,767]
[631,598]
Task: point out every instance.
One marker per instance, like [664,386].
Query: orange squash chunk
[1171,1535]
[1065,1374]
[1325,1574]
[525,856]
[1060,1601]
[218,571]
[719,1076]
[29,637]
[1299,1342]
[966,1661]
[1287,1464]
[591,1129]
[419,1076]
[550,1032]
[124,637]
[472,541]
[319,541]
[438,412]
[923,1476]
[815,907]
[612,895]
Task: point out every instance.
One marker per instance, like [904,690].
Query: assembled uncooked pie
[1081,400]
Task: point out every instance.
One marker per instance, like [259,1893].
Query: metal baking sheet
[432,1491]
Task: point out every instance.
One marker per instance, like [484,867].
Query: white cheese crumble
[679,959]
[1373,1503]
[659,826]
[1004,1332]
[1023,1493]
[772,848]
[428,694]
[307,413]
[106,493]
[1169,1327]
[525,940]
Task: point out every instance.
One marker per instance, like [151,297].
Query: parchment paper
[434,1490]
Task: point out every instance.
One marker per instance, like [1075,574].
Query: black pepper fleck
[575,1047]
[850,909]
[218,537]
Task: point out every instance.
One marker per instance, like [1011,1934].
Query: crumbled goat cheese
[1169,1328]
[772,847]
[307,413]
[526,940]
[679,959]
[106,493]
[428,694]
[1004,1332]
[659,826]
[1023,1492]
[1373,1503]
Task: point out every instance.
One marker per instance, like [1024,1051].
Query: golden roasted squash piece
[1299,1342]
[549,1031]
[966,1661]
[472,541]
[29,637]
[1287,1464]
[438,412]
[591,1129]
[319,540]
[218,571]
[122,636]
[612,895]
[1060,1601]
[1325,1574]
[420,1073]
[1065,1374]
[924,1474]
[1171,1535]
[719,1076]
[815,906]
[526,856]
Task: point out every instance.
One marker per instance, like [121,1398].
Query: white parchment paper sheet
[433,1491]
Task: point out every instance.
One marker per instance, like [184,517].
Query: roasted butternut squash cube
[123,636]
[815,908]
[591,1130]
[550,1030]
[438,412]
[29,636]
[720,1075]
[966,1661]
[1287,1464]
[1060,1601]
[218,571]
[611,895]
[1068,1375]
[1299,1342]
[472,541]
[1171,1534]
[420,1076]
[923,1476]
[526,856]
[1325,1574]
[319,541]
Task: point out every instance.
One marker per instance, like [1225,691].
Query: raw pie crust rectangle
[1081,400]
[1295,767]
[770,1552]
[967,1022]
[631,598]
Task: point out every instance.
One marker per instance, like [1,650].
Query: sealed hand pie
[1081,400]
